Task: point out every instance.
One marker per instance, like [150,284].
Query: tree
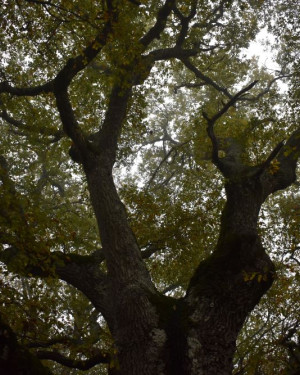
[79,82]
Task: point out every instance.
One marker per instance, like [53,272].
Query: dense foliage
[179,64]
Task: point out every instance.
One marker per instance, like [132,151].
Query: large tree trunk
[155,334]
[196,334]
[228,285]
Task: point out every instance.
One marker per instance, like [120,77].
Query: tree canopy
[146,164]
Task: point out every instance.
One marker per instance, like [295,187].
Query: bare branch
[265,91]
[165,138]
[232,101]
[270,158]
[205,78]
[287,158]
[212,19]
[164,159]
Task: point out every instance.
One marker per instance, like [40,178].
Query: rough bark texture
[197,334]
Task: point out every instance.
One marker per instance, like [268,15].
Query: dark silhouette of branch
[164,159]
[74,363]
[72,67]
[270,158]
[16,359]
[57,135]
[151,249]
[135,2]
[170,288]
[205,78]
[264,91]
[50,342]
[212,120]
[189,86]
[184,22]
[161,20]
[212,20]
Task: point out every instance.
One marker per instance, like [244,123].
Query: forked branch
[212,120]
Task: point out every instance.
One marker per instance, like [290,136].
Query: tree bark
[155,334]
[197,334]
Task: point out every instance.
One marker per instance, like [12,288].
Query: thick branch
[75,65]
[84,274]
[184,22]
[80,271]
[151,249]
[170,288]
[174,52]
[5,87]
[232,101]
[50,342]
[270,158]
[9,208]
[74,363]
[161,20]
[70,124]
[107,139]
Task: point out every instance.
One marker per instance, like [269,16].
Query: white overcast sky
[262,50]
